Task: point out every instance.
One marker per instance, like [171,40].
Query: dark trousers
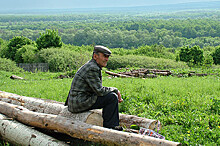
[109,105]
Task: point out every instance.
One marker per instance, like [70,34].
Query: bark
[78,129]
[93,117]
[20,134]
[51,107]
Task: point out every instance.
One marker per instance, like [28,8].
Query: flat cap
[102,49]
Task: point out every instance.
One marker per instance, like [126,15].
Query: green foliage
[61,59]
[26,54]
[208,60]
[120,31]
[49,39]
[157,51]
[116,62]
[193,56]
[8,65]
[135,127]
[216,55]
[14,44]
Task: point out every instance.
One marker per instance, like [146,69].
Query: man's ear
[95,56]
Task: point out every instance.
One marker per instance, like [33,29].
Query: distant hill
[213,5]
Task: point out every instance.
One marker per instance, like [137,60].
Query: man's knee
[113,96]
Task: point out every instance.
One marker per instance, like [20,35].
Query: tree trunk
[78,129]
[19,134]
[93,117]
[51,107]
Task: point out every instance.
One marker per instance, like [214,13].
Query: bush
[49,39]
[8,65]
[61,59]
[216,55]
[142,62]
[14,44]
[26,54]
[193,56]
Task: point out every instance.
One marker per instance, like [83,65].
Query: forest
[119,31]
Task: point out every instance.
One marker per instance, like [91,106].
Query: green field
[188,107]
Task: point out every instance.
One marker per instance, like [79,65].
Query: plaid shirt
[86,87]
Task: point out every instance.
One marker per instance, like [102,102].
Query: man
[87,92]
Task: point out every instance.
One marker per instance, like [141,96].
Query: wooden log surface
[117,75]
[93,117]
[79,129]
[20,134]
[51,107]
[16,77]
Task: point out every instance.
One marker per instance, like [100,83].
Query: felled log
[196,74]
[51,107]
[78,129]
[116,74]
[20,134]
[93,117]
[16,77]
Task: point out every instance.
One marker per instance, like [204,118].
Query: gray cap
[102,49]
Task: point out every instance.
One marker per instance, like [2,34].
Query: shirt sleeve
[94,81]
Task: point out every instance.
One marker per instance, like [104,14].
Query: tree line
[118,32]
[49,48]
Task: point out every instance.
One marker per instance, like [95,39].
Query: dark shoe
[119,128]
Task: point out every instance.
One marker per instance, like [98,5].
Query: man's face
[101,59]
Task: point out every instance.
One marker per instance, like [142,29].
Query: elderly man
[87,92]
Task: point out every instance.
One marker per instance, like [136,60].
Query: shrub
[8,65]
[14,44]
[193,56]
[61,59]
[26,54]
[216,55]
[142,62]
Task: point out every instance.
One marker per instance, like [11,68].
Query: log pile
[54,116]
[142,73]
[154,73]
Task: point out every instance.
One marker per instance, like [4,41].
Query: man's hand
[119,97]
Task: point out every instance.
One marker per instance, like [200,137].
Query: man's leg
[110,114]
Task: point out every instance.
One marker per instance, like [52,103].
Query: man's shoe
[119,128]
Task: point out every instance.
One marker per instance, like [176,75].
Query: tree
[192,55]
[14,44]
[197,55]
[216,55]
[49,39]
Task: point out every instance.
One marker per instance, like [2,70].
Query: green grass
[187,107]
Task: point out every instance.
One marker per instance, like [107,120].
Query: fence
[33,67]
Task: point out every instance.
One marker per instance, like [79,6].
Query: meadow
[188,107]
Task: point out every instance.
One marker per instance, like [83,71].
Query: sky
[69,4]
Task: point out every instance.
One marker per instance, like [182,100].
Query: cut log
[79,129]
[93,117]
[16,77]
[51,107]
[20,134]
[117,75]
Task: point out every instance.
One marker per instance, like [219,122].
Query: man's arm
[95,83]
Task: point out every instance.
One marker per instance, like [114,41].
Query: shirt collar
[93,60]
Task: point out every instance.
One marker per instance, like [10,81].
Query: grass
[187,107]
